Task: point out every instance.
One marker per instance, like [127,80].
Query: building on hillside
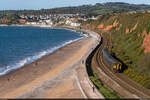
[49,22]
[68,21]
[31,23]
[131,12]
[72,22]
[22,21]
[75,24]
[93,18]
[4,21]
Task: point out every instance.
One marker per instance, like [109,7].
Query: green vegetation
[10,19]
[102,88]
[12,16]
[106,92]
[110,7]
[126,31]
[128,47]
[127,35]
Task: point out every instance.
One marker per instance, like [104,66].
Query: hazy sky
[38,4]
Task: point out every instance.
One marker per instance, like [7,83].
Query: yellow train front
[117,67]
[110,61]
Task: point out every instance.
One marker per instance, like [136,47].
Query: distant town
[72,16]
[112,62]
[50,20]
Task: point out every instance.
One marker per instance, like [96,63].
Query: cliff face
[146,43]
[130,36]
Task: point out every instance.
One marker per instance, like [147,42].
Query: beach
[52,76]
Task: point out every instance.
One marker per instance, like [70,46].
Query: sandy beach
[53,76]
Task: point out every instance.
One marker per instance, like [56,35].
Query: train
[110,61]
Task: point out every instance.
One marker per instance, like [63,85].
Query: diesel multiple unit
[110,61]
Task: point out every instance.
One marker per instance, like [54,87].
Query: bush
[128,47]
[144,65]
[107,93]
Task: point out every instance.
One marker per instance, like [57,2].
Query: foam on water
[28,60]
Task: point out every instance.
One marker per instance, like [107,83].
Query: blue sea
[23,45]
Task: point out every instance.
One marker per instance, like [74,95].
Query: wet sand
[58,75]
[28,81]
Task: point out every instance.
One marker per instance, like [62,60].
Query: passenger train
[115,65]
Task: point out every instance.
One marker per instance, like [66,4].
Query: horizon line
[70,6]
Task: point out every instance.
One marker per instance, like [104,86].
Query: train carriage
[110,61]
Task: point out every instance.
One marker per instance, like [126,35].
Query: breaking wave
[28,60]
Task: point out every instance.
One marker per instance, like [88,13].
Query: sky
[39,4]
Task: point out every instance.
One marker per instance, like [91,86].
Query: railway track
[134,90]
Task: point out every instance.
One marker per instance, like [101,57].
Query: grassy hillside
[99,8]
[130,36]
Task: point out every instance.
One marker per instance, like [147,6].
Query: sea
[23,45]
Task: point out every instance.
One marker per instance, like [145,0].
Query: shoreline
[14,67]
[27,82]
[22,25]
[44,26]
[34,67]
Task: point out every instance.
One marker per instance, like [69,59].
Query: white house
[75,24]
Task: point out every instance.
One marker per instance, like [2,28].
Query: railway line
[117,81]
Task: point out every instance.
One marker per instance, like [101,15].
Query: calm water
[23,45]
